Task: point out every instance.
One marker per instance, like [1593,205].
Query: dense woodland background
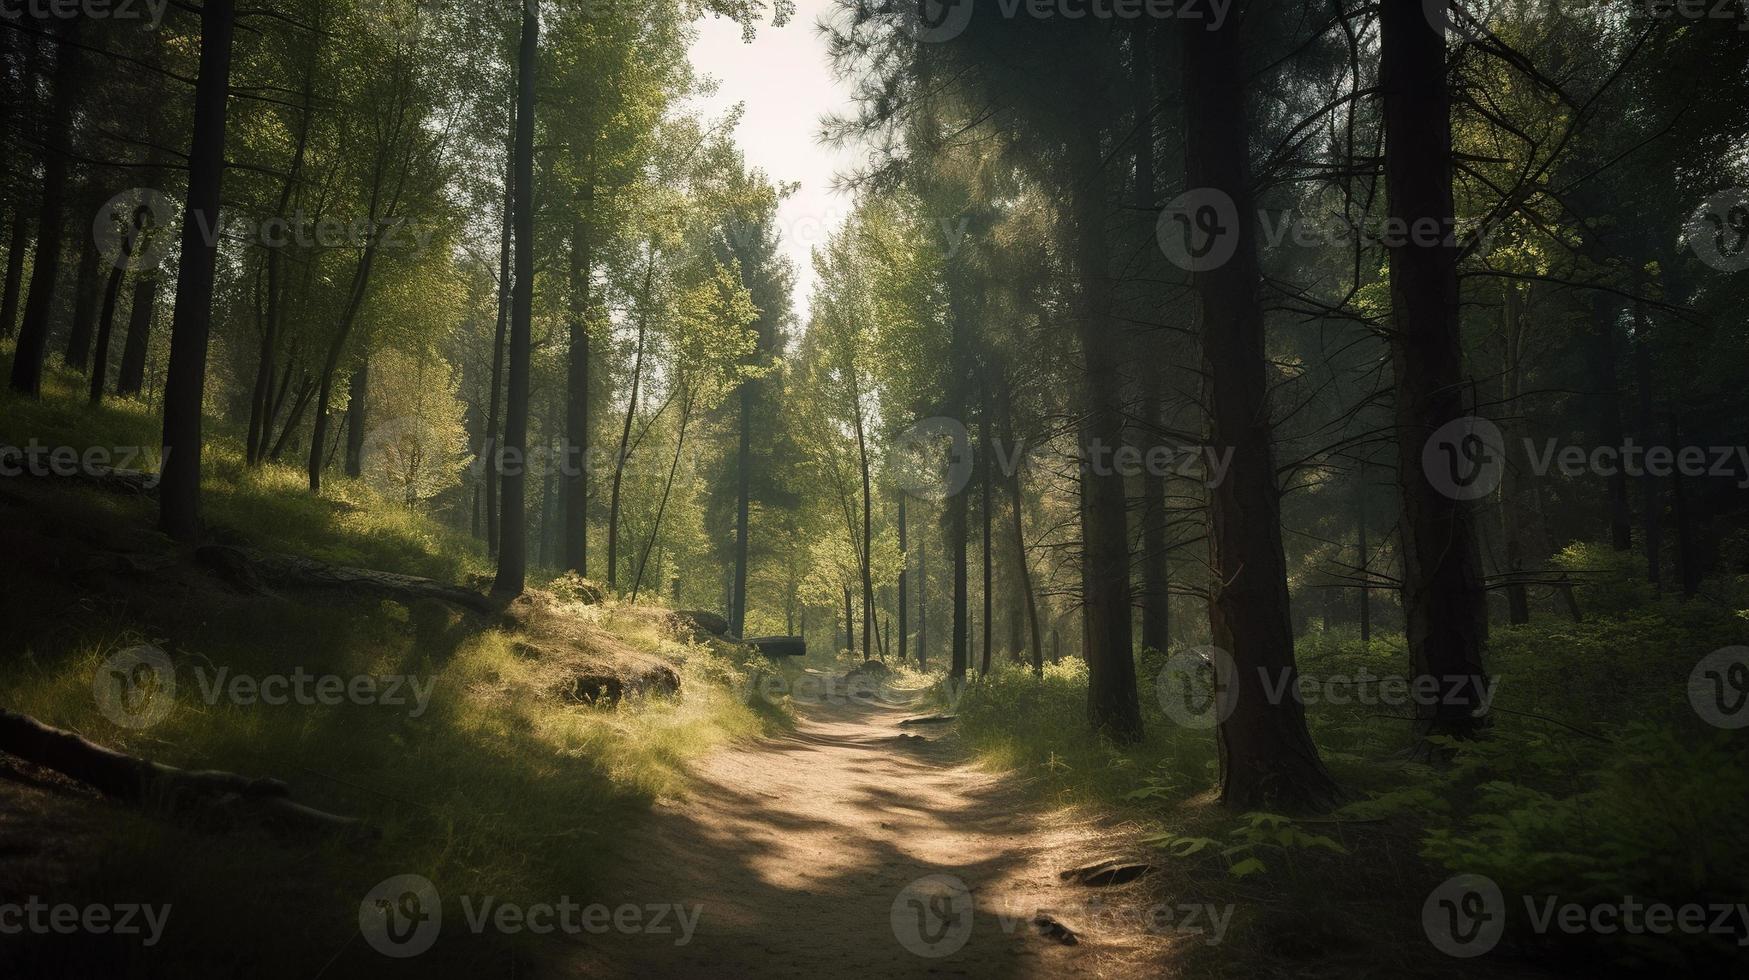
[474,292]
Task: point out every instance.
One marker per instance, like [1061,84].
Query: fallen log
[250,569]
[778,646]
[204,793]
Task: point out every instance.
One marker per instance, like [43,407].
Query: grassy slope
[1598,781]
[502,787]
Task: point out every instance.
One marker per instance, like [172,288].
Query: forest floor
[803,853]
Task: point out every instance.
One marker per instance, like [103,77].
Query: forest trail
[795,850]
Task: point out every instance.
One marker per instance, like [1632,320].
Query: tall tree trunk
[260,422]
[357,404]
[923,603]
[986,504]
[16,245]
[1444,604]
[361,275]
[33,334]
[1511,482]
[625,433]
[85,300]
[868,597]
[1689,563]
[744,491]
[513,545]
[141,311]
[1267,755]
[105,328]
[185,381]
[1022,568]
[849,625]
[1113,707]
[904,573]
[577,383]
[1365,572]
[686,404]
[493,422]
[1606,414]
[1651,497]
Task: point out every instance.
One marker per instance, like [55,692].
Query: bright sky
[786,84]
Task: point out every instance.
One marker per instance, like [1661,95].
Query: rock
[1050,927]
[603,688]
[702,623]
[869,668]
[779,646]
[1113,872]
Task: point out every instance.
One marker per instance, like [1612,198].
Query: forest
[1009,488]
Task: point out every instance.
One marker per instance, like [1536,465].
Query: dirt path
[810,855]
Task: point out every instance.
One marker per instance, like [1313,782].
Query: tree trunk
[923,603]
[105,328]
[16,246]
[743,491]
[986,503]
[85,300]
[1651,498]
[132,376]
[849,624]
[1606,414]
[577,383]
[667,488]
[185,381]
[260,405]
[904,573]
[513,546]
[1021,566]
[1267,756]
[494,469]
[1511,489]
[357,404]
[1113,707]
[868,600]
[625,434]
[33,334]
[1444,604]
[1365,571]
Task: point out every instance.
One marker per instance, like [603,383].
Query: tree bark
[1606,414]
[1267,756]
[513,546]
[185,381]
[495,400]
[625,434]
[16,246]
[85,301]
[33,334]
[357,405]
[904,573]
[577,383]
[105,328]
[1113,707]
[1444,604]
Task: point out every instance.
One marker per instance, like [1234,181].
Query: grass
[500,785]
[1597,780]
